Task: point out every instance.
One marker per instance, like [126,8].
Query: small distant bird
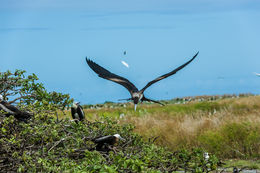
[124,52]
[12,110]
[206,156]
[235,170]
[136,95]
[125,64]
[257,74]
[107,140]
[122,115]
[77,111]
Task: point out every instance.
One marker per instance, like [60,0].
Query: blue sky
[51,38]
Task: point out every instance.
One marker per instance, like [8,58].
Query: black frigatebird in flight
[136,95]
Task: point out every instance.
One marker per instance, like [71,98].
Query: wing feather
[104,73]
[80,112]
[169,74]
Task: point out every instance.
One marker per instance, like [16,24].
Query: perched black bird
[235,170]
[136,95]
[77,112]
[106,140]
[12,110]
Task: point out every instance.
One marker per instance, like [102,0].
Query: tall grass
[229,128]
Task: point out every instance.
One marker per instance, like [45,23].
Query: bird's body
[206,156]
[257,74]
[125,64]
[106,140]
[12,110]
[77,112]
[136,95]
[235,170]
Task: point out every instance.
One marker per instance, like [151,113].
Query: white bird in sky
[125,64]
[257,74]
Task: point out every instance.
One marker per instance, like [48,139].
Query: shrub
[44,145]
[233,140]
[30,93]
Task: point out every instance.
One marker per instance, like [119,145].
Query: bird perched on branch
[12,110]
[103,141]
[77,112]
[136,95]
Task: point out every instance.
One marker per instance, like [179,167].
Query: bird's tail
[149,100]
[125,99]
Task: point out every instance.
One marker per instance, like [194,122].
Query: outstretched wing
[80,112]
[102,72]
[104,139]
[73,112]
[170,73]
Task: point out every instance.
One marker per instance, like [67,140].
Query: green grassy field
[228,127]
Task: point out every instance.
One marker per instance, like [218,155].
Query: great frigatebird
[12,110]
[109,140]
[77,112]
[136,95]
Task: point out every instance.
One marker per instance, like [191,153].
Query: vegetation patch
[45,145]
[233,140]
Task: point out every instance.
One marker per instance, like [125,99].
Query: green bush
[234,140]
[45,145]
[30,94]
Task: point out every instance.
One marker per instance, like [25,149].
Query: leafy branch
[26,91]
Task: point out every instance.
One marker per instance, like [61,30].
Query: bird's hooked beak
[122,139]
[135,106]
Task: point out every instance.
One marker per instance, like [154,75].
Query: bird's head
[137,96]
[75,105]
[136,100]
[118,137]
